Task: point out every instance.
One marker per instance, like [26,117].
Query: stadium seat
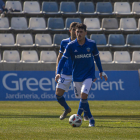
[121,57]
[133,40]
[31,7]
[128,24]
[70,20]
[29,56]
[136,8]
[110,24]
[122,8]
[93,24]
[19,23]
[24,40]
[37,23]
[7,40]
[105,56]
[4,23]
[16,5]
[116,41]
[0,57]
[135,57]
[100,40]
[138,24]
[56,24]
[43,40]
[86,8]
[11,56]
[50,8]
[57,38]
[48,57]
[104,8]
[68,8]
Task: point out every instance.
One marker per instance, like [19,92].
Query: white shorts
[82,87]
[64,82]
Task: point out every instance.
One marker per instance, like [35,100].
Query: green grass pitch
[115,120]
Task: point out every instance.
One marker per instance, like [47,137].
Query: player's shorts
[64,82]
[82,87]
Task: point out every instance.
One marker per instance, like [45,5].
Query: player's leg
[77,91]
[61,87]
[1,11]
[84,105]
[85,114]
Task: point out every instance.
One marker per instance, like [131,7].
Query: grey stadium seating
[29,56]
[121,57]
[11,56]
[43,40]
[24,40]
[105,56]
[48,57]
[136,57]
[122,8]
[7,40]
[31,7]
[93,24]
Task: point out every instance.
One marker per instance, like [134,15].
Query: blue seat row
[70,8]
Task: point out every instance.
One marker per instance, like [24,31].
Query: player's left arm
[98,63]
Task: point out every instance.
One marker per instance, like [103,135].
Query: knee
[59,92]
[84,96]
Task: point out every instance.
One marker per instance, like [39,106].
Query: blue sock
[84,106]
[85,114]
[62,102]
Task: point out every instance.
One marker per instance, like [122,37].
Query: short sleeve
[95,50]
[67,51]
[62,47]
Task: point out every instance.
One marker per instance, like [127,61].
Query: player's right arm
[58,59]
[61,63]
[60,54]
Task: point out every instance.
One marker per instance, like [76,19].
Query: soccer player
[81,51]
[66,75]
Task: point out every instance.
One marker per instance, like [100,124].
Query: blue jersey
[67,69]
[82,59]
[1,5]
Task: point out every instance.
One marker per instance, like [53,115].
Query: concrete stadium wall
[51,66]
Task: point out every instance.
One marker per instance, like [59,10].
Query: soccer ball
[75,120]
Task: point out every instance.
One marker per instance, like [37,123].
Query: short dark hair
[81,26]
[73,24]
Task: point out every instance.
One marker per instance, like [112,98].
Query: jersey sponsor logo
[83,56]
[88,49]
[75,51]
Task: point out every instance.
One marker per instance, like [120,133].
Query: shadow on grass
[117,127]
[117,117]
[57,116]
[28,116]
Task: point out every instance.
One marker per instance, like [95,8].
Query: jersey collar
[86,42]
[70,39]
